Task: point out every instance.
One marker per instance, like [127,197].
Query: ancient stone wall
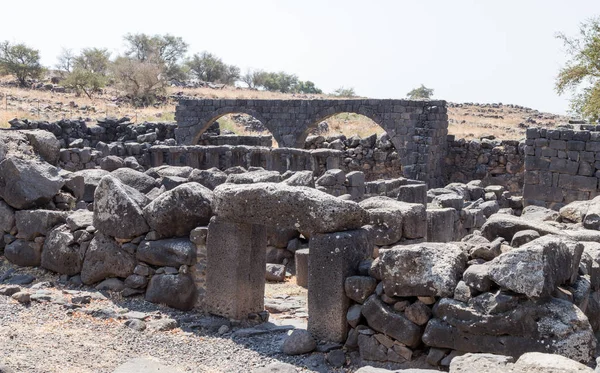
[494,162]
[416,128]
[561,166]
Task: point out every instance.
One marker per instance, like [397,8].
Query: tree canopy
[20,61]
[581,74]
[421,93]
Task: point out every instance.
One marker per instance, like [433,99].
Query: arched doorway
[366,145]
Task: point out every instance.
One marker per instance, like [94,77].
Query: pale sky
[467,50]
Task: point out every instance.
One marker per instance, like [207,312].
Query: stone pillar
[235,272]
[333,257]
[301,260]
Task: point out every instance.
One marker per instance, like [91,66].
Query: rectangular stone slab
[332,258]
[235,273]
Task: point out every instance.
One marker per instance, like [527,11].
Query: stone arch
[334,110]
[389,126]
[203,125]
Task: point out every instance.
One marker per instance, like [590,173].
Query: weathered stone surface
[418,312]
[574,212]
[428,269]
[91,179]
[537,362]
[178,211]
[301,259]
[501,324]
[135,179]
[298,343]
[177,291]
[27,184]
[234,291]
[538,213]
[165,171]
[476,363]
[275,272]
[280,236]
[388,217]
[7,217]
[333,257]
[477,277]
[277,368]
[449,200]
[281,205]
[80,219]
[34,223]
[522,237]
[210,178]
[301,178]
[441,224]
[384,319]
[171,252]
[60,253]
[145,365]
[104,258]
[359,288]
[259,176]
[592,216]
[535,269]
[505,226]
[24,253]
[118,209]
[45,144]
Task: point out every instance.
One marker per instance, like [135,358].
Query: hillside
[468,120]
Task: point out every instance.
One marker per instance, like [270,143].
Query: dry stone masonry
[562,166]
[396,270]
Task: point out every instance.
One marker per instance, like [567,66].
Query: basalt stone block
[301,261]
[276,204]
[178,211]
[537,268]
[210,178]
[104,258]
[172,252]
[387,216]
[333,257]
[441,224]
[428,269]
[301,178]
[413,193]
[176,290]
[261,176]
[34,223]
[384,319]
[7,217]
[505,226]
[28,184]
[511,327]
[118,209]
[91,179]
[135,179]
[235,291]
[61,254]
[24,253]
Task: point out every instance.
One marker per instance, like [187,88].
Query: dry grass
[468,121]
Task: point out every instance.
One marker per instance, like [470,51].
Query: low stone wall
[374,155]
[562,166]
[494,162]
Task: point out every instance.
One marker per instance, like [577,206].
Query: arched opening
[366,145]
[248,128]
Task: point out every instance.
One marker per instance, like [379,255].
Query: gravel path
[55,334]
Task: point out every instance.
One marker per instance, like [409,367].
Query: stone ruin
[395,269]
